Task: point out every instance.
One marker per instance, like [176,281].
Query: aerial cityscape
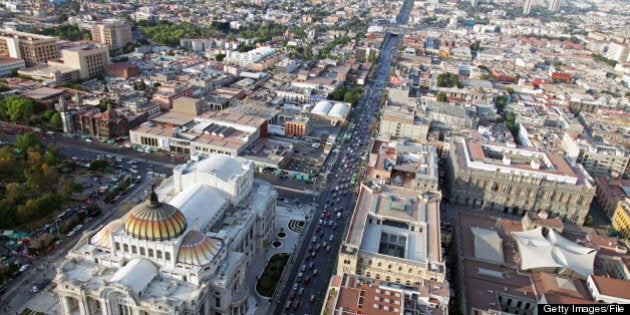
[314,157]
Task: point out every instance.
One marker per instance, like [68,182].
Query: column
[104,307]
[65,306]
[83,309]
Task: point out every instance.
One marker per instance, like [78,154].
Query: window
[167,255]
[217,302]
[150,252]
[125,248]
[159,254]
[142,251]
[117,246]
[134,249]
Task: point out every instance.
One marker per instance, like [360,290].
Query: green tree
[56,120]
[142,86]
[16,107]
[441,97]
[219,57]
[27,141]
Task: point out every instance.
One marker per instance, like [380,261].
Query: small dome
[102,237]
[155,221]
[197,249]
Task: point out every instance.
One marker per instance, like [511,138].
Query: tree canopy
[16,107]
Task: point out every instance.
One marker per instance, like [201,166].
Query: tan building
[90,59]
[516,180]
[115,34]
[394,235]
[32,48]
[398,121]
[621,219]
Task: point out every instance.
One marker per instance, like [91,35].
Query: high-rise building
[527,7]
[474,3]
[32,48]
[554,5]
[114,33]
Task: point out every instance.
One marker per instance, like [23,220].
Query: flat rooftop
[396,207]
[234,118]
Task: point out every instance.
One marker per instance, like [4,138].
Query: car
[295,286]
[24,267]
[311,265]
[313,254]
[318,228]
[296,305]
[307,280]
[292,295]
[330,223]
[317,247]
[299,277]
[315,272]
[328,215]
[312,298]
[303,268]
[331,238]
[310,248]
[288,305]
[34,289]
[314,238]
[301,291]
[71,233]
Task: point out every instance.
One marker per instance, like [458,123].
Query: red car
[310,248]
[292,295]
[307,280]
[328,215]
[296,305]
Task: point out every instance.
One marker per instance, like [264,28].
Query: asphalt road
[325,262]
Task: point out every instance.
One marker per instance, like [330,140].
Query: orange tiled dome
[197,249]
[155,221]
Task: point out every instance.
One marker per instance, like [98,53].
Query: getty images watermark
[567,309]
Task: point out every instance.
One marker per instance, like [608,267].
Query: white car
[23,268]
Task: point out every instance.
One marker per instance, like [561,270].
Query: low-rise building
[621,218]
[609,290]
[7,64]
[352,294]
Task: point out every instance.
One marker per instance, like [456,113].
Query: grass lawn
[267,283]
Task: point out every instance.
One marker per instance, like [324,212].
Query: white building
[7,64]
[246,58]
[186,256]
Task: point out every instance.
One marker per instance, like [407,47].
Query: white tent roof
[322,108]
[136,274]
[339,110]
[487,245]
[536,251]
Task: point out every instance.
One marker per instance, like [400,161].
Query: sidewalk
[261,305]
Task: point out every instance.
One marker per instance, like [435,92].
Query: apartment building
[514,180]
[32,48]
[113,33]
[394,235]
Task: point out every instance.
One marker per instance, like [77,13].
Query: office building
[621,218]
[30,47]
[185,256]
[89,59]
[554,5]
[113,33]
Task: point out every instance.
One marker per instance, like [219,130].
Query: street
[337,194]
